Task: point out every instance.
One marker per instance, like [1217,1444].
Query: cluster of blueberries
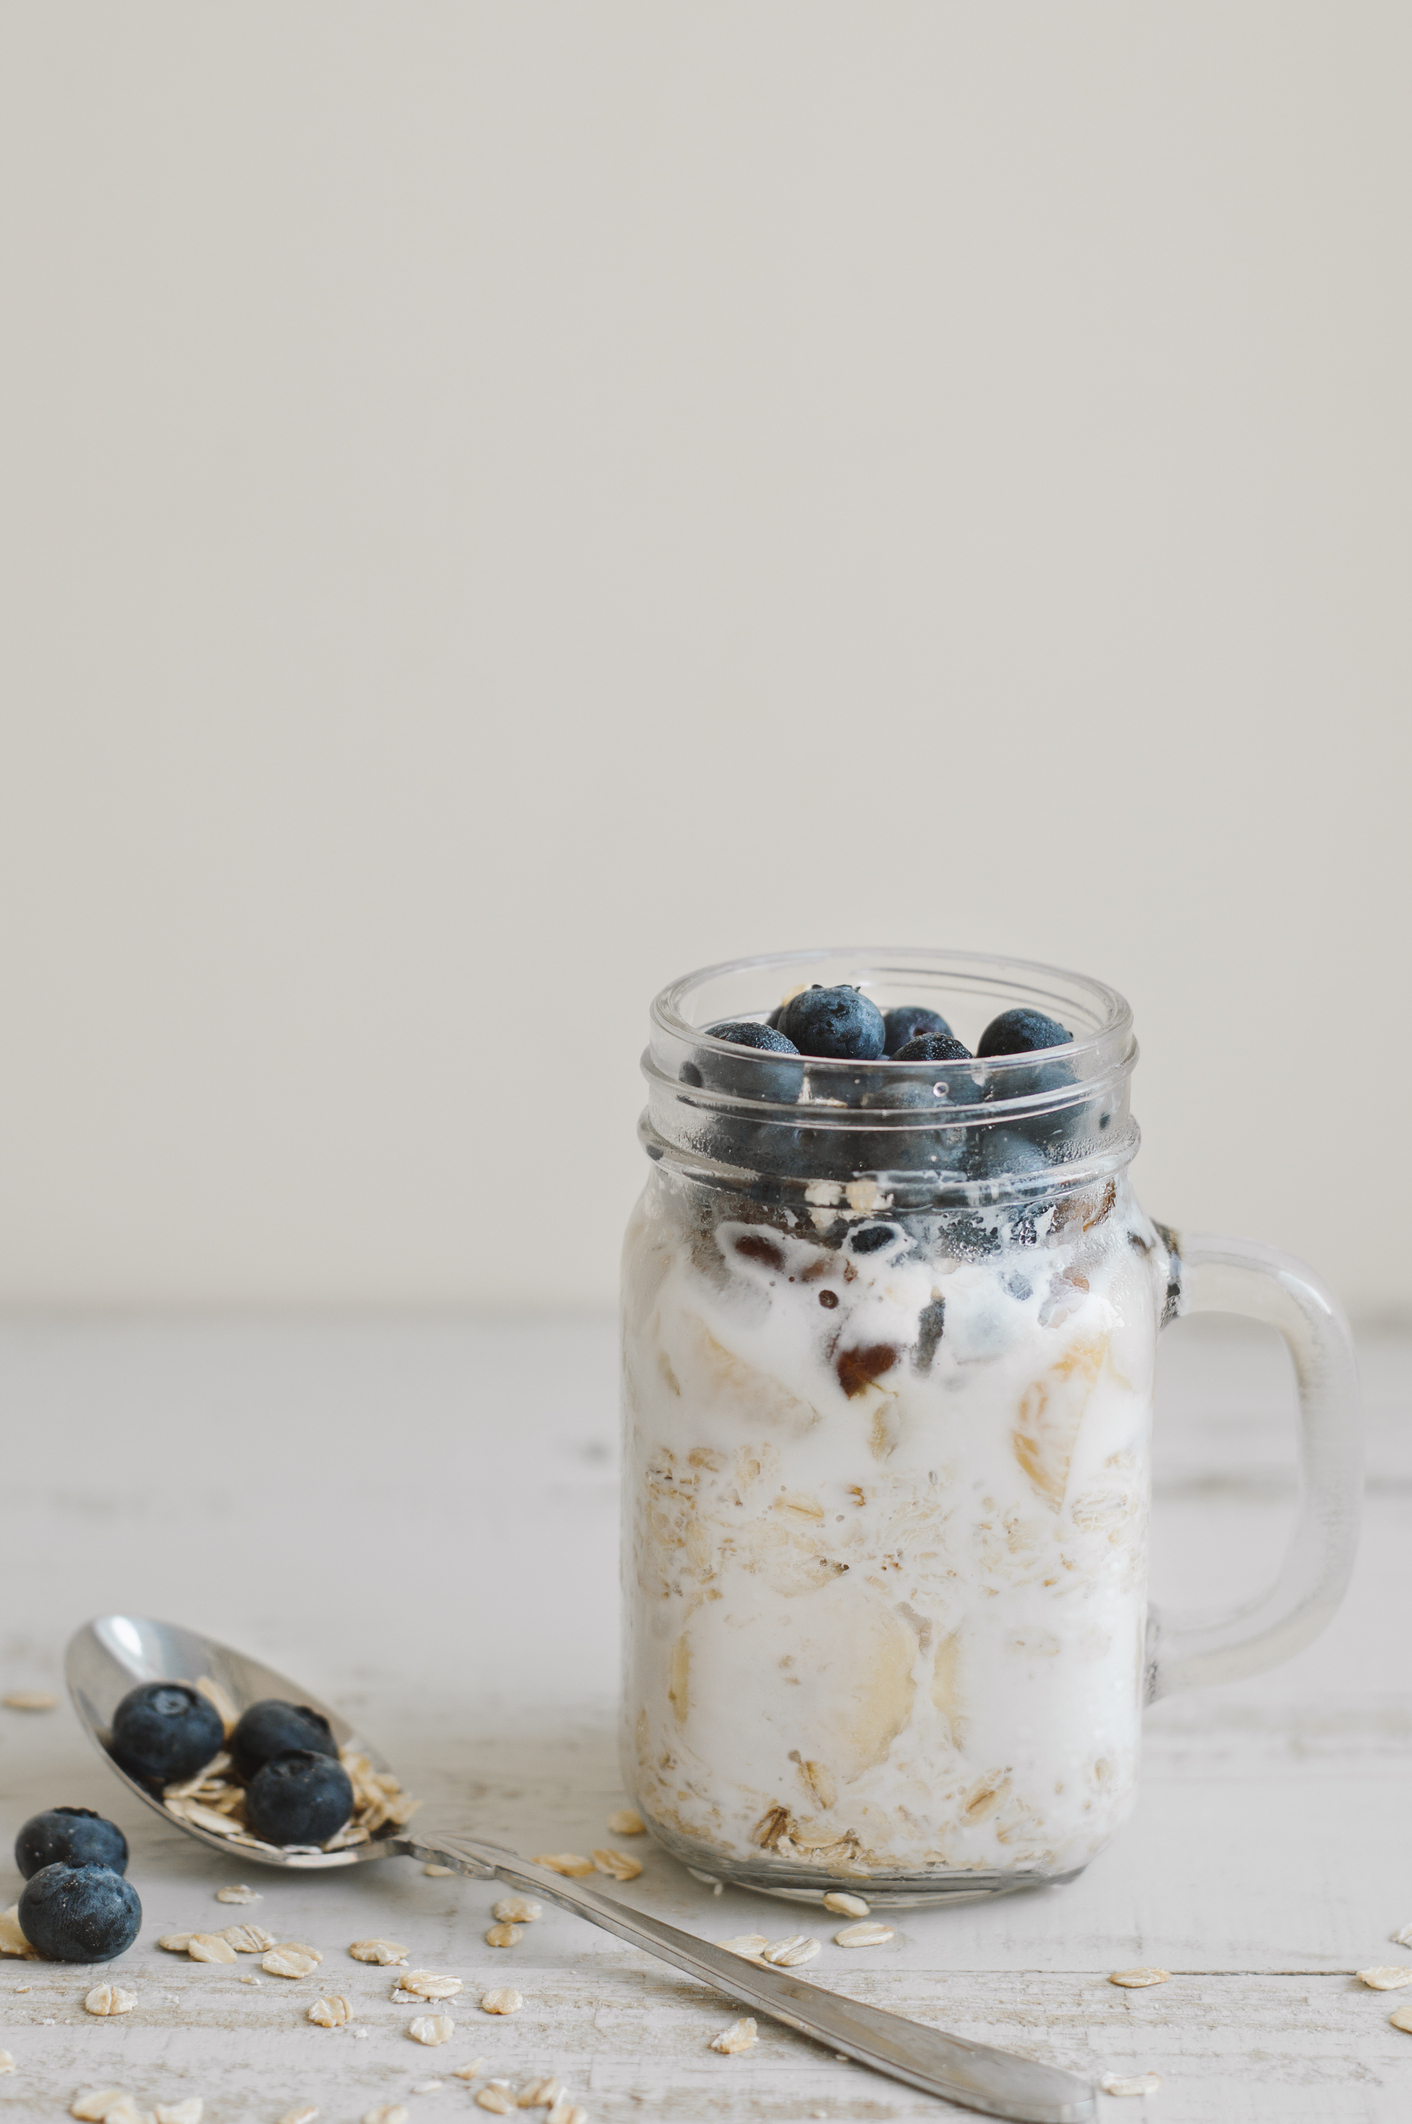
[843,1025]
[76,1906]
[296,1789]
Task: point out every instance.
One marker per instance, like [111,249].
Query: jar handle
[1214,1275]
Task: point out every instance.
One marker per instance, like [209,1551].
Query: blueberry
[273,1727]
[836,1024]
[997,1153]
[164,1731]
[961,1086]
[69,1836]
[299,1798]
[907,1023]
[1020,1032]
[80,1913]
[867,1238]
[744,1032]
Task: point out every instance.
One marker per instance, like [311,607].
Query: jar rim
[1107,1040]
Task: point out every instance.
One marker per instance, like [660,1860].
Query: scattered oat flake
[502,2001]
[739,2036]
[302,2113]
[238,1893]
[541,2093]
[617,1865]
[187,2112]
[209,1947]
[175,1942]
[384,1951]
[431,2028]
[751,1943]
[869,1935]
[1140,2083]
[94,2106]
[1403,1938]
[846,1905]
[428,2086]
[496,2096]
[1136,1979]
[788,1954]
[385,2113]
[7,2063]
[626,1821]
[470,2072]
[504,1935]
[12,1939]
[291,1960]
[438,1873]
[1402,2019]
[329,2013]
[567,2112]
[427,1984]
[109,1998]
[1391,1979]
[517,1910]
[29,1700]
[566,1862]
[249,1939]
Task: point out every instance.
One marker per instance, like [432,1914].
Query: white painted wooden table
[419,1518]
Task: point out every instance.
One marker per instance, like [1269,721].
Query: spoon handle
[972,2074]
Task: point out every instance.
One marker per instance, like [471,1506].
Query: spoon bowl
[116,1653]
[108,1657]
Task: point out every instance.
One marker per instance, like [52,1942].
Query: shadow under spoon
[108,1657]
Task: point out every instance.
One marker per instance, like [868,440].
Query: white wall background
[506,501]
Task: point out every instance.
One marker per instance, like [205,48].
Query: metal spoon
[110,1656]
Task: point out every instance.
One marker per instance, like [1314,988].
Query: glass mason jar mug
[889,1336]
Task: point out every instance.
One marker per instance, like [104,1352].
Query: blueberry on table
[908,1023]
[273,1727]
[80,1913]
[835,1024]
[69,1836]
[164,1731]
[1020,1032]
[299,1798]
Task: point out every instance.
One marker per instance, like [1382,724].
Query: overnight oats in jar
[890,1317]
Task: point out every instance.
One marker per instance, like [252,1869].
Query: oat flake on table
[867,1935]
[185,2112]
[385,1952]
[431,2028]
[1138,2083]
[567,2112]
[504,1935]
[7,2063]
[750,1944]
[540,2093]
[249,1939]
[502,2000]
[739,2036]
[1402,2019]
[517,1910]
[1390,1979]
[470,2071]
[626,1821]
[302,2113]
[209,1947]
[109,1998]
[238,1893]
[429,1984]
[329,2013]
[292,1960]
[12,1939]
[617,1865]
[788,1954]
[91,2108]
[496,2096]
[1138,1979]
[29,1700]
[385,2113]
